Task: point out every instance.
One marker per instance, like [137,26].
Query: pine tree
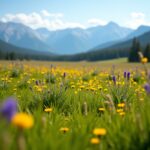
[135,49]
[147,52]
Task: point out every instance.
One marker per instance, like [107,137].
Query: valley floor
[74,105]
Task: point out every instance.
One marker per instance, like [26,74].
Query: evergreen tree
[135,49]
[147,52]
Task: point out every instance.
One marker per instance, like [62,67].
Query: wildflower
[119,110]
[128,75]
[9,108]
[144,60]
[125,74]
[48,109]
[147,88]
[64,130]
[121,105]
[22,120]
[37,82]
[95,140]
[114,79]
[64,75]
[122,113]
[101,109]
[99,131]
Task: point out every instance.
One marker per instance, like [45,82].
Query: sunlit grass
[75,105]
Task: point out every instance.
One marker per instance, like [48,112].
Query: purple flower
[37,82]
[64,75]
[147,88]
[9,108]
[125,74]
[114,79]
[128,75]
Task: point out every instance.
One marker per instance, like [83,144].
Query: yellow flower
[122,113]
[99,131]
[48,109]
[119,110]
[144,60]
[95,140]
[22,120]
[101,109]
[121,105]
[64,130]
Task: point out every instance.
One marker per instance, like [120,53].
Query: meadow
[74,106]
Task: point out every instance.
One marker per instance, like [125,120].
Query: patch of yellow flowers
[22,120]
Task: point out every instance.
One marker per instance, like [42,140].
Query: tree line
[110,53]
[135,49]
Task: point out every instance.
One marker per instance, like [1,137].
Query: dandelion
[64,129]
[119,110]
[95,141]
[99,131]
[22,120]
[122,113]
[48,110]
[144,60]
[101,109]
[121,105]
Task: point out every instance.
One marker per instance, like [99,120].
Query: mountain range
[22,36]
[71,40]
[76,40]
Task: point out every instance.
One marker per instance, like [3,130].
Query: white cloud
[137,15]
[95,22]
[45,13]
[137,19]
[52,21]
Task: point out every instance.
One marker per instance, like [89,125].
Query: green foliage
[135,49]
[15,73]
[147,52]
[50,78]
[124,131]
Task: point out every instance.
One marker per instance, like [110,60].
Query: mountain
[117,50]
[7,47]
[9,51]
[22,36]
[107,33]
[144,40]
[75,40]
[69,41]
[66,41]
[139,31]
[43,32]
[136,33]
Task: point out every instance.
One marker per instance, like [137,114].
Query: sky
[60,14]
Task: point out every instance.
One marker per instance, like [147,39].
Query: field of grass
[74,106]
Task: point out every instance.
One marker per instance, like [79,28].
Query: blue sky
[57,14]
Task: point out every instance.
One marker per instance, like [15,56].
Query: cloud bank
[136,19]
[55,21]
[52,21]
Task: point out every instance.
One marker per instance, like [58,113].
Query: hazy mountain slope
[139,31]
[144,39]
[22,36]
[136,33]
[70,41]
[7,47]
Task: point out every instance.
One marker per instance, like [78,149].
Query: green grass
[87,84]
